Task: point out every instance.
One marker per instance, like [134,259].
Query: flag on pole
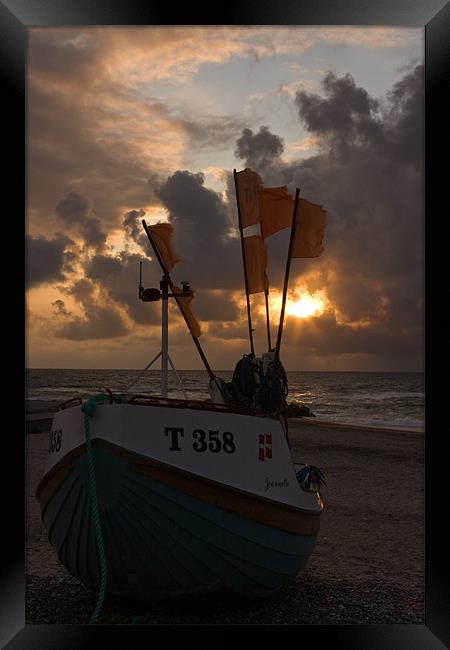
[256,262]
[162,237]
[276,207]
[248,186]
[184,303]
[310,229]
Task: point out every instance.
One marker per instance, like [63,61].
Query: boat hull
[161,539]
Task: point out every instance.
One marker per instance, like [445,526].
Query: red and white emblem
[265,446]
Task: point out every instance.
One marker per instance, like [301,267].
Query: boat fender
[310,478]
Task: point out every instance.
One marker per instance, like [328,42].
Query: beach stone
[298,411]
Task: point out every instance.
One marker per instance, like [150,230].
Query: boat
[155,496]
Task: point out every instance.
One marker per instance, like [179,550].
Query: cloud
[210,258]
[75,212]
[60,308]
[132,226]
[217,132]
[345,115]
[258,150]
[47,259]
[369,178]
[99,320]
[118,278]
[130,153]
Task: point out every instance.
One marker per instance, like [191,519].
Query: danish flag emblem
[265,446]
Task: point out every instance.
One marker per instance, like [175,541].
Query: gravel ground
[367,567]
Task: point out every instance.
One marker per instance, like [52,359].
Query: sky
[126,123]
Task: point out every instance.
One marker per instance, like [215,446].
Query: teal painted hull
[161,542]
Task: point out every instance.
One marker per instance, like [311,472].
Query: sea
[383,399]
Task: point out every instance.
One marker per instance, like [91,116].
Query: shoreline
[46,409]
[358,425]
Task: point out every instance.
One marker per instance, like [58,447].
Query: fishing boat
[155,496]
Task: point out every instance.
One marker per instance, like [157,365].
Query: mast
[249,318]
[172,288]
[286,275]
[164,335]
[269,343]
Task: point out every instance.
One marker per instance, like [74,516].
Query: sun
[307,305]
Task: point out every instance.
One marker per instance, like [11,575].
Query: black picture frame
[15,17]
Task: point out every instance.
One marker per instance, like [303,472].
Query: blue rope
[88,409]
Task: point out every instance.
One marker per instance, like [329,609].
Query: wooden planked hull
[169,533]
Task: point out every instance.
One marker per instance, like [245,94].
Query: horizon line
[218,370]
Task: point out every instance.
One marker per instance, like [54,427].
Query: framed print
[196,164]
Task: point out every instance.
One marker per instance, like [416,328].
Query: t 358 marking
[212,440]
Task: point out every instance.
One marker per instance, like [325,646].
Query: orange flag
[185,306]
[162,236]
[255,253]
[311,219]
[248,184]
[276,209]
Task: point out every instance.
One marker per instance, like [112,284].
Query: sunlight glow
[302,304]
[306,305]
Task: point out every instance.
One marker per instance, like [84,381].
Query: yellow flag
[310,229]
[276,209]
[185,306]
[255,255]
[162,236]
[248,184]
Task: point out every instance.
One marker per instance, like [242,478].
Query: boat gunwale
[141,459]
[194,405]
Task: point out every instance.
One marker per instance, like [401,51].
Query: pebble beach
[367,566]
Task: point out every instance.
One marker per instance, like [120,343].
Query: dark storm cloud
[369,178]
[220,131]
[100,320]
[132,226]
[75,212]
[60,308]
[210,258]
[99,323]
[346,114]
[212,306]
[47,259]
[258,150]
[323,336]
[73,209]
[119,278]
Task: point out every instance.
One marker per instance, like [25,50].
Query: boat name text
[272,484]
[213,441]
[54,441]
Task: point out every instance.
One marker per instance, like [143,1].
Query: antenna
[141,288]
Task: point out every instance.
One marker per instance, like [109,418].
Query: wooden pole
[249,318]
[172,288]
[286,275]
[269,343]
[164,336]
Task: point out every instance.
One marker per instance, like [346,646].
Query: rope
[88,409]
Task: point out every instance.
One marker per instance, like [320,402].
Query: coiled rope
[88,409]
